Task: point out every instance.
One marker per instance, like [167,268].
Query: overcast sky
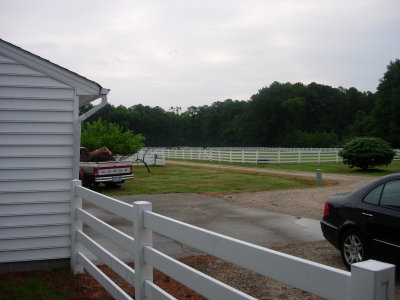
[185,52]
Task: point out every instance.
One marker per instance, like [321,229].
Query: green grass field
[183,179]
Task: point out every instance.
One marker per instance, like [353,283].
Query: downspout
[77,134]
[103,94]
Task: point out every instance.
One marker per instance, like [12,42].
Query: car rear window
[391,194]
[373,196]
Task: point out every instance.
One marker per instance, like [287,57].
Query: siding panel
[34,243]
[34,185]
[38,116]
[35,254]
[36,81]
[36,104]
[4,59]
[38,162]
[34,151]
[17,127]
[39,208]
[28,174]
[36,139]
[34,220]
[38,231]
[16,69]
[18,92]
[35,197]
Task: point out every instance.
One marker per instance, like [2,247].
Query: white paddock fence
[254,156]
[151,158]
[258,155]
[367,280]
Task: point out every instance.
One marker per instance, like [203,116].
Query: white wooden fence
[367,280]
[254,156]
[258,155]
[151,158]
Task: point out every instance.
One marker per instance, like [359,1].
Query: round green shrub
[367,152]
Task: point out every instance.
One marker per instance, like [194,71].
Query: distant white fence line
[257,155]
[370,280]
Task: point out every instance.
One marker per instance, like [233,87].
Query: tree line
[278,115]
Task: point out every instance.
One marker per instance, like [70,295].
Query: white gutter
[103,94]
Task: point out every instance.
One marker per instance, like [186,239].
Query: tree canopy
[101,133]
[278,115]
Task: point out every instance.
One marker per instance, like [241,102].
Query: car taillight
[326,209]
[95,171]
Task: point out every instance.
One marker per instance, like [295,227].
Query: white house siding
[36,163]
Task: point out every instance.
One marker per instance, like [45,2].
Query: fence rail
[367,280]
[258,155]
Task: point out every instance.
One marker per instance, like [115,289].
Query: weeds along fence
[258,155]
[368,280]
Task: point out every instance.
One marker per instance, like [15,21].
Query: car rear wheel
[353,247]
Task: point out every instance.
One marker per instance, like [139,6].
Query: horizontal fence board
[112,205]
[154,292]
[102,278]
[255,258]
[106,257]
[121,239]
[195,280]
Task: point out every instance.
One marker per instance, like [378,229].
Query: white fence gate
[367,280]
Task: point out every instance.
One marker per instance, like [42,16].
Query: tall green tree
[386,113]
[102,133]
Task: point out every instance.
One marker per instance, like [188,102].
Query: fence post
[143,237]
[319,177]
[76,224]
[372,280]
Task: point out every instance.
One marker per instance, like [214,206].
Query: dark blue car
[366,223]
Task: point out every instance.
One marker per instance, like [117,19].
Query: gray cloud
[183,53]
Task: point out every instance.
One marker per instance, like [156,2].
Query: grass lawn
[183,179]
[328,167]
